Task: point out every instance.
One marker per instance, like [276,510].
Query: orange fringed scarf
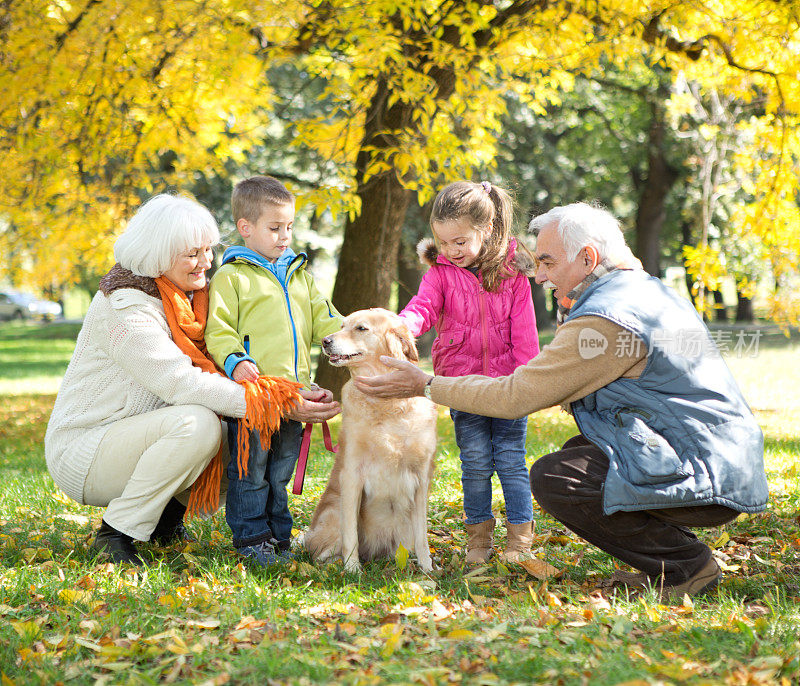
[268,399]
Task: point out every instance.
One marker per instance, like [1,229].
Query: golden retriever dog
[377,493]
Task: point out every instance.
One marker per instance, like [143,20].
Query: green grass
[196,615]
[33,358]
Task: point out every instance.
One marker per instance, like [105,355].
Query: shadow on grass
[748,589]
[40,331]
[25,369]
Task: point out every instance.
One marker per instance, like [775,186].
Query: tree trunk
[660,178]
[720,312]
[544,317]
[368,260]
[686,239]
[744,308]
[409,276]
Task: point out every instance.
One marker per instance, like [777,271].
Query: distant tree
[96,91]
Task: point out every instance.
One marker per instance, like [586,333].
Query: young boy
[264,313]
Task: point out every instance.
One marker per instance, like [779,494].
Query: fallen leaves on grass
[540,569]
[200,617]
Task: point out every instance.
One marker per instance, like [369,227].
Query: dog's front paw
[352,565]
[425,564]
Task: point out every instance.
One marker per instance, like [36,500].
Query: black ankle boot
[170,526]
[115,545]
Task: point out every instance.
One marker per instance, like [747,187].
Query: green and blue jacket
[267,312]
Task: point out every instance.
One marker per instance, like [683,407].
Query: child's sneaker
[283,548]
[263,553]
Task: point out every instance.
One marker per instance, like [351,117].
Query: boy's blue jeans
[490,445]
[257,507]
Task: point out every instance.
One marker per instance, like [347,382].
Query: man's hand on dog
[406,381]
[317,406]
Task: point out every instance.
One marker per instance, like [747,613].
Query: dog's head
[368,334]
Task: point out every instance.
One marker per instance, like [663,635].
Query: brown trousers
[568,484]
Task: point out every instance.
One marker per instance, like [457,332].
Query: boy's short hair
[250,195]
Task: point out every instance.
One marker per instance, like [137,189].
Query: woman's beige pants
[145,460]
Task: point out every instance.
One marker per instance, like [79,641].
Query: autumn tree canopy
[97,94]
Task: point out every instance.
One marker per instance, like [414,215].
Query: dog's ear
[401,344]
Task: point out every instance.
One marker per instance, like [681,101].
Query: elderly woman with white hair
[666,441]
[135,421]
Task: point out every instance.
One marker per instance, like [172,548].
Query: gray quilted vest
[682,434]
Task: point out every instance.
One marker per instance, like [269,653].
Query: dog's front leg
[420,526]
[352,487]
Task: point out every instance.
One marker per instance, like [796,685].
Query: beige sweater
[124,364]
[565,370]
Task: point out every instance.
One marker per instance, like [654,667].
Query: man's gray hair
[163,228]
[579,225]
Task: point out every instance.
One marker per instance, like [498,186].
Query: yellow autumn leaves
[102,106]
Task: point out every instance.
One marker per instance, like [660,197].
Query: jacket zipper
[484,330]
[484,323]
[285,289]
[291,318]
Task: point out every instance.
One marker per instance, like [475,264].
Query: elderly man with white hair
[666,441]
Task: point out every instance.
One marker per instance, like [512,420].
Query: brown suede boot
[520,539]
[479,541]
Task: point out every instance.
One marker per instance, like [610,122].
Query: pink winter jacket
[477,332]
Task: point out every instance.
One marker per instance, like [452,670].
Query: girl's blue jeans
[491,445]
[257,506]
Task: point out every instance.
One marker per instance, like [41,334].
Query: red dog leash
[302,460]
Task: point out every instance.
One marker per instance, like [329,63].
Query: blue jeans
[491,445]
[257,507]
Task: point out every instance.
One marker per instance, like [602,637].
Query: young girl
[478,297]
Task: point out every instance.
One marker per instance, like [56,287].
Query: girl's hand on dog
[406,381]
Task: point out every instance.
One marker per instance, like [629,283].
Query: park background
[680,117]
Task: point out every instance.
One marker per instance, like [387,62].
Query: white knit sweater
[125,364]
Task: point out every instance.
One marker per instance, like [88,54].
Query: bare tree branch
[75,23]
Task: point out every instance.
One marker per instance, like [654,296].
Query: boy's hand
[245,371]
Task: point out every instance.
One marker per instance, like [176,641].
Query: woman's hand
[405,381]
[317,406]
[323,395]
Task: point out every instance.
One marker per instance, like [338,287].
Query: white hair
[580,225]
[163,228]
